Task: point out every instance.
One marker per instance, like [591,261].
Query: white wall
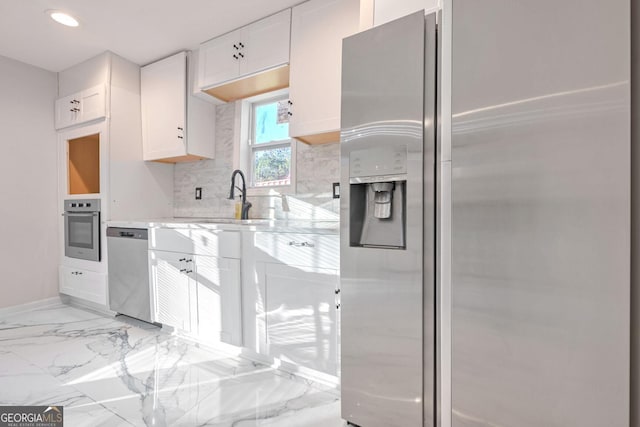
[28,209]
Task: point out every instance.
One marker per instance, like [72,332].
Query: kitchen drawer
[218,243]
[306,250]
[88,285]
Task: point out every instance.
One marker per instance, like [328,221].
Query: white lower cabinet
[173,290]
[275,293]
[217,283]
[291,299]
[302,316]
[197,292]
[85,284]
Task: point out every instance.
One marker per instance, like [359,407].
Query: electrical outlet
[198,193]
[336,190]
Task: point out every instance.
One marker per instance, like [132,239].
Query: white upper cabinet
[92,103]
[66,111]
[219,59]
[317,30]
[164,107]
[168,133]
[81,107]
[248,61]
[265,44]
[388,10]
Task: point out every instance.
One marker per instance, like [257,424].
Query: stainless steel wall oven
[82,229]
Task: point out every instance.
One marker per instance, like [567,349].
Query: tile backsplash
[317,167]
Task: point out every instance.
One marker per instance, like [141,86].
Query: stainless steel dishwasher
[129,287]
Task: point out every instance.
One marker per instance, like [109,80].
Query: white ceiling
[141,31]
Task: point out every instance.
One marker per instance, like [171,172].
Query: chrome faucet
[245,205]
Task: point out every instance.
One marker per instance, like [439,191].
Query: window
[270,148]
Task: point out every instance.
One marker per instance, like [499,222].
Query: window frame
[249,159]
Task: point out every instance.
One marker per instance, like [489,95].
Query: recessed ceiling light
[63,18]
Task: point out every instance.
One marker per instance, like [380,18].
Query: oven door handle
[80,214]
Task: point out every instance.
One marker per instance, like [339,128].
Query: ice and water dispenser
[377,178]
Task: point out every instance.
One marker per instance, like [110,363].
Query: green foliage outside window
[273,165]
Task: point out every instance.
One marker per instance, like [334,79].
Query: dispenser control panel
[378,161]
[377,197]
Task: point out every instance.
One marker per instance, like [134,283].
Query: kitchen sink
[255,221]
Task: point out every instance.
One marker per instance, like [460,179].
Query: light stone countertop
[268,225]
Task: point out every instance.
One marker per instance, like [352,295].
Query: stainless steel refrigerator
[540,261]
[485,217]
[387,223]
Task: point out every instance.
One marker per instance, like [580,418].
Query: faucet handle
[245,210]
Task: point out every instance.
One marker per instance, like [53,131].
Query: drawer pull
[302,244]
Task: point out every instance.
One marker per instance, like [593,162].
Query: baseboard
[87,305]
[30,306]
[310,374]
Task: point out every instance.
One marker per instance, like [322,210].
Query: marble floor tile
[119,372]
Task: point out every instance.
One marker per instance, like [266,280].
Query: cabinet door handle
[188,271]
[180,137]
[241,55]
[179,128]
[241,45]
[189,260]
[235,56]
[235,46]
[337,306]
[183,270]
[182,259]
[302,244]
